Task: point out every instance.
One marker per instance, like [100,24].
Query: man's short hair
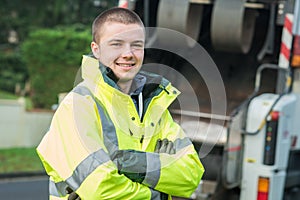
[116,14]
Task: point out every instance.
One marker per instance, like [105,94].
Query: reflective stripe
[57,189]
[155,195]
[82,171]
[153,170]
[181,143]
[86,167]
[108,129]
[110,138]
[94,160]
[154,165]
[132,161]
[82,90]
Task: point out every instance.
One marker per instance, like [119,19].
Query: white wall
[20,128]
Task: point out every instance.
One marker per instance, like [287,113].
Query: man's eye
[139,46]
[116,44]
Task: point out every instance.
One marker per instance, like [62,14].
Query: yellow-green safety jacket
[91,127]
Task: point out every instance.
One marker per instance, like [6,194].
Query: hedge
[53,58]
[12,71]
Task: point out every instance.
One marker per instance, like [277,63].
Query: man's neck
[125,86]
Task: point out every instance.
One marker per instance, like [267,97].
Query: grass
[17,160]
[7,95]
[28,103]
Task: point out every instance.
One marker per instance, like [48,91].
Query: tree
[19,19]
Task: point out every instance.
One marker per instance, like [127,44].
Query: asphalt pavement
[28,188]
[25,188]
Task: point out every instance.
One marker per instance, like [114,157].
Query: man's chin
[125,79]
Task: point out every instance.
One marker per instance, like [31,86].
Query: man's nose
[127,51]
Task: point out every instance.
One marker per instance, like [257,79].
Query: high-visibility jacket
[95,120]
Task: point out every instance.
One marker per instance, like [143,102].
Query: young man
[113,137]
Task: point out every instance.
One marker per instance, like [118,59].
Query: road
[35,188]
[24,188]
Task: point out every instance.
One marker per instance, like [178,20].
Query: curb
[22,174]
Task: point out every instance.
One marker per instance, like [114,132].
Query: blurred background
[38,41]
[41,45]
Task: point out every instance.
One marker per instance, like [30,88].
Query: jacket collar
[151,84]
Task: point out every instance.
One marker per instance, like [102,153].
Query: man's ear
[95,49]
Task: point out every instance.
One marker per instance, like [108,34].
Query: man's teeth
[125,65]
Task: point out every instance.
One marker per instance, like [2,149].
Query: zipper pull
[142,139]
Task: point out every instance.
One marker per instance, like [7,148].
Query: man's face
[121,48]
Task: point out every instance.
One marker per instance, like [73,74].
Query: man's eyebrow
[115,40]
[119,40]
[138,41]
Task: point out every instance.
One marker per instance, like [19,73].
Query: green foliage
[53,59]
[12,71]
[19,160]
[22,16]
[18,20]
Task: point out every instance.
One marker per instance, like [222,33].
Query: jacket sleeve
[180,173]
[73,155]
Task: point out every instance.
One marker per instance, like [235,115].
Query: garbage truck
[252,150]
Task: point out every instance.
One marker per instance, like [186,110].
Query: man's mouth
[126,65]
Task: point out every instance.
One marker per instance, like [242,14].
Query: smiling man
[119,45]
[113,137]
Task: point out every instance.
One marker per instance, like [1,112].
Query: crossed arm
[127,160]
[178,173]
